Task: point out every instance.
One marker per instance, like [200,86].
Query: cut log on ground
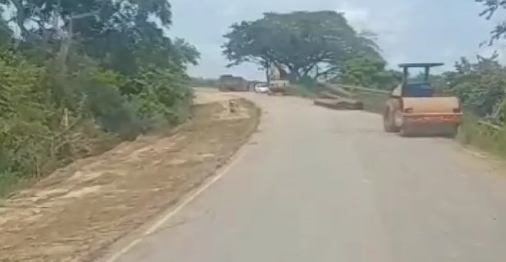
[278,91]
[340,104]
[336,90]
[328,95]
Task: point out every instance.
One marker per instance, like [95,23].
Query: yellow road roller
[413,108]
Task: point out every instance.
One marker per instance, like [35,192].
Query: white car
[261,88]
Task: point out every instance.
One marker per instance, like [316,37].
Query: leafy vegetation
[367,71]
[204,82]
[83,76]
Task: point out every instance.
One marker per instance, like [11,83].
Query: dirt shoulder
[80,209]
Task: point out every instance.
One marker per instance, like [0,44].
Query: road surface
[330,186]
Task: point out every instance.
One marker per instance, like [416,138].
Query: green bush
[26,111]
[302,91]
[486,137]
[305,87]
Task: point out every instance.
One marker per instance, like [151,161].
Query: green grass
[302,91]
[482,136]
[374,103]
[10,183]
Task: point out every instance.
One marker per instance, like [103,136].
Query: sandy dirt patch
[210,95]
[74,213]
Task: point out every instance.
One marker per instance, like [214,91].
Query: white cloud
[357,17]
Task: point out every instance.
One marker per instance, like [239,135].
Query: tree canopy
[491,7]
[300,43]
[369,72]
[121,35]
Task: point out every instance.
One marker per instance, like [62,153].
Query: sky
[408,30]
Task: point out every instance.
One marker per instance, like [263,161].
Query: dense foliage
[84,72]
[479,85]
[204,82]
[369,72]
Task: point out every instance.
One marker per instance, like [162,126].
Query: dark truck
[232,83]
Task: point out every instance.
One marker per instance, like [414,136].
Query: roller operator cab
[413,108]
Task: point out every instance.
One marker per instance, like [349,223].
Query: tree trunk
[267,73]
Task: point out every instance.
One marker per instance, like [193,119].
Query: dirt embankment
[74,213]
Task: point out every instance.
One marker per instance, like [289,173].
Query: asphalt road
[331,186]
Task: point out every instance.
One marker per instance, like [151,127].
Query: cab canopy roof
[405,65]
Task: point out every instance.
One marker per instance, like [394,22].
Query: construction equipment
[413,108]
[278,82]
[232,83]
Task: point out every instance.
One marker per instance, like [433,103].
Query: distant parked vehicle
[261,88]
[278,87]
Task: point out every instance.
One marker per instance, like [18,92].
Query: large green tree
[368,72]
[304,44]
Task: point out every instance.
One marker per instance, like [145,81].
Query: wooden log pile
[333,97]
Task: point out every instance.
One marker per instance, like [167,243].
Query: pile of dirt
[77,211]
